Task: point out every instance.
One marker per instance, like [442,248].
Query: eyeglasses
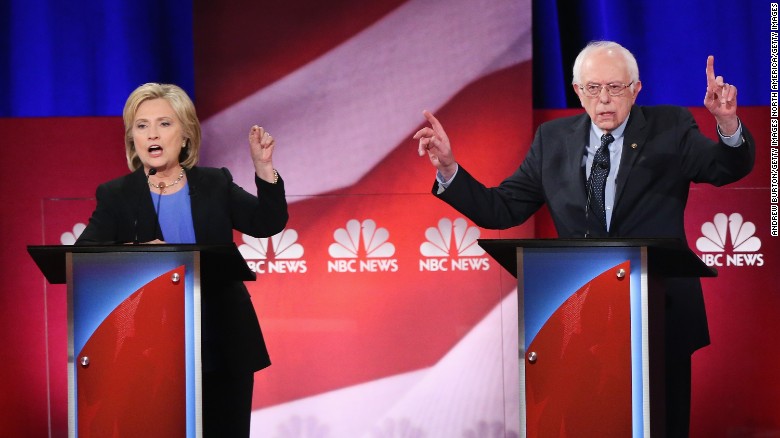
[614,88]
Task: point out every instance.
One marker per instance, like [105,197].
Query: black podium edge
[666,257]
[224,260]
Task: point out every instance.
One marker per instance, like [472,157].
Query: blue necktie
[598,174]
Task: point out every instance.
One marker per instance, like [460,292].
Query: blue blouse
[174,212]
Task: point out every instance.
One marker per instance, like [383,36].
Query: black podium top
[224,260]
[666,257]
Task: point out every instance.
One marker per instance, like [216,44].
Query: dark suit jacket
[663,153]
[231,335]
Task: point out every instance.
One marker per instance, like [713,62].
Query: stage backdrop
[381,315]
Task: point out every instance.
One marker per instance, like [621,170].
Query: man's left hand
[721,100]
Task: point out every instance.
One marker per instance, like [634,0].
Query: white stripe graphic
[475,386]
[340,115]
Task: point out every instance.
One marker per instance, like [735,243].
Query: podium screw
[532,357]
[84,361]
[175,278]
[621,273]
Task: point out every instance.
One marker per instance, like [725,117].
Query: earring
[184,144]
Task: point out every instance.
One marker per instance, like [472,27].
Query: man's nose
[604,95]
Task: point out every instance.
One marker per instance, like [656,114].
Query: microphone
[153,171]
[587,202]
[135,228]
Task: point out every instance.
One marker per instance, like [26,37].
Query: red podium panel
[581,363]
[129,371]
[591,332]
[134,365]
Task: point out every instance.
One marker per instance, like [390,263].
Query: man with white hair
[644,159]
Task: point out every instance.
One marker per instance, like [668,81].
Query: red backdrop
[736,388]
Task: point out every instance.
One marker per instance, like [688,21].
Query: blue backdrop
[58,59]
[84,58]
[670,39]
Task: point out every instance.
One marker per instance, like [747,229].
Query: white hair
[633,68]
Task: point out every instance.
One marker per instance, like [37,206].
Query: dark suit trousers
[227,403]
[678,395]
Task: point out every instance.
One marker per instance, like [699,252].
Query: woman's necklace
[162,186]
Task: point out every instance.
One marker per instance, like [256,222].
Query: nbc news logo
[373,255]
[452,246]
[281,253]
[734,231]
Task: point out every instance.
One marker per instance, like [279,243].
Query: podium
[591,331]
[134,333]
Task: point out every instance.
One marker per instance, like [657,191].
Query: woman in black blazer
[167,199]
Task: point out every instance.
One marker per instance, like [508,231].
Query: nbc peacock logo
[281,253]
[729,241]
[69,237]
[452,246]
[362,247]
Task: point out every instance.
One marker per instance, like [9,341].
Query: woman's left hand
[261,146]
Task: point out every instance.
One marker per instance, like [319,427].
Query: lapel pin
[634,145]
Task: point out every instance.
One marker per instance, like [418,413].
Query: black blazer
[663,153]
[231,335]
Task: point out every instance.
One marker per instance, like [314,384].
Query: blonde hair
[183,107]
[631,65]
